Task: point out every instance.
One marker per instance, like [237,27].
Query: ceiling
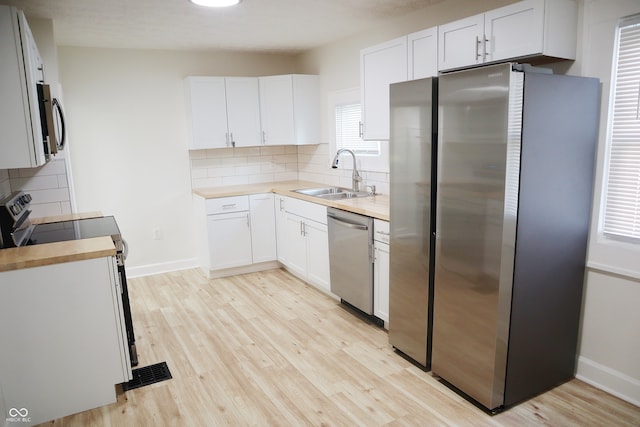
[283,26]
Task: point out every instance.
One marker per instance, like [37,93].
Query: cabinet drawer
[307,210]
[227,204]
[381,231]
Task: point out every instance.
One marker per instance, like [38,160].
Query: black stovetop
[75,230]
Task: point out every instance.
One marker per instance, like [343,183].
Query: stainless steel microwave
[51,120]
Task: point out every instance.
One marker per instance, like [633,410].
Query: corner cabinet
[223,112]
[526,29]
[239,234]
[290,109]
[406,58]
[380,66]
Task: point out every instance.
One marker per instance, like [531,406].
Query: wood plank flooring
[266,349]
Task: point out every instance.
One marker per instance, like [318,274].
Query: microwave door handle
[63,127]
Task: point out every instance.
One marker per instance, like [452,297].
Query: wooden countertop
[55,253]
[374,206]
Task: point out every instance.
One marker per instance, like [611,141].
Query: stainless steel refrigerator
[515,176]
[412,149]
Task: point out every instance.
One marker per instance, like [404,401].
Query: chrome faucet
[355,177]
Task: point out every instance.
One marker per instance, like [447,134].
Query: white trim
[163,267]
[607,379]
[251,268]
[607,269]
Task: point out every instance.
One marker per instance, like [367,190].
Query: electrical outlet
[157,233]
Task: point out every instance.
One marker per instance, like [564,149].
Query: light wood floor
[267,349]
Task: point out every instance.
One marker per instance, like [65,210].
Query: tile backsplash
[47,184]
[251,165]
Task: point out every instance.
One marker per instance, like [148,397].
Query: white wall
[610,338]
[127,128]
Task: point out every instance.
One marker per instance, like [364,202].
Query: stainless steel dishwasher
[351,258]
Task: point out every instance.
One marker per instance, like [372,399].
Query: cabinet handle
[384,233]
[375,255]
[484,47]
[233,143]
[248,222]
[478,55]
[304,229]
[301,229]
[360,129]
[281,206]
[264,138]
[230,206]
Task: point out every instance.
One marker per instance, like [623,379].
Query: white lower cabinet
[263,227]
[304,240]
[381,271]
[240,232]
[229,240]
[66,345]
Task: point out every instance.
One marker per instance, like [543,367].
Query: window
[344,130]
[622,192]
[348,131]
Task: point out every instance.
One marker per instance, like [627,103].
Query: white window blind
[348,132]
[622,205]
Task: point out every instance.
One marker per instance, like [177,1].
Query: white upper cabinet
[530,28]
[208,107]
[290,109]
[460,43]
[243,111]
[423,54]
[224,112]
[21,68]
[380,66]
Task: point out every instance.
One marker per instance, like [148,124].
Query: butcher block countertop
[374,206]
[55,253]
[59,252]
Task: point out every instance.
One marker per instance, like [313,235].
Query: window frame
[605,253]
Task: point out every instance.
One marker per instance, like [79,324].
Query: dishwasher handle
[347,224]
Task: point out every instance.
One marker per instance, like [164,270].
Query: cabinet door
[243,111]
[423,54]
[306,107]
[281,231]
[207,102]
[381,282]
[380,66]
[276,110]
[296,245]
[263,227]
[461,43]
[515,30]
[317,244]
[229,240]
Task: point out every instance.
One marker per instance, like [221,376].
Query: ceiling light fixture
[215,3]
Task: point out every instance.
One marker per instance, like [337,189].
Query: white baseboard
[608,379]
[253,268]
[165,267]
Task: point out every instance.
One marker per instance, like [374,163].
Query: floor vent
[148,375]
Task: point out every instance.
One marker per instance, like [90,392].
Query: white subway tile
[260,178]
[50,195]
[206,182]
[286,176]
[246,151]
[235,180]
[35,183]
[233,161]
[205,163]
[219,172]
[45,209]
[218,153]
[272,150]
[248,170]
[62,181]
[291,149]
[198,173]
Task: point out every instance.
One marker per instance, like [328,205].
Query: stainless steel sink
[333,193]
[345,195]
[321,191]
